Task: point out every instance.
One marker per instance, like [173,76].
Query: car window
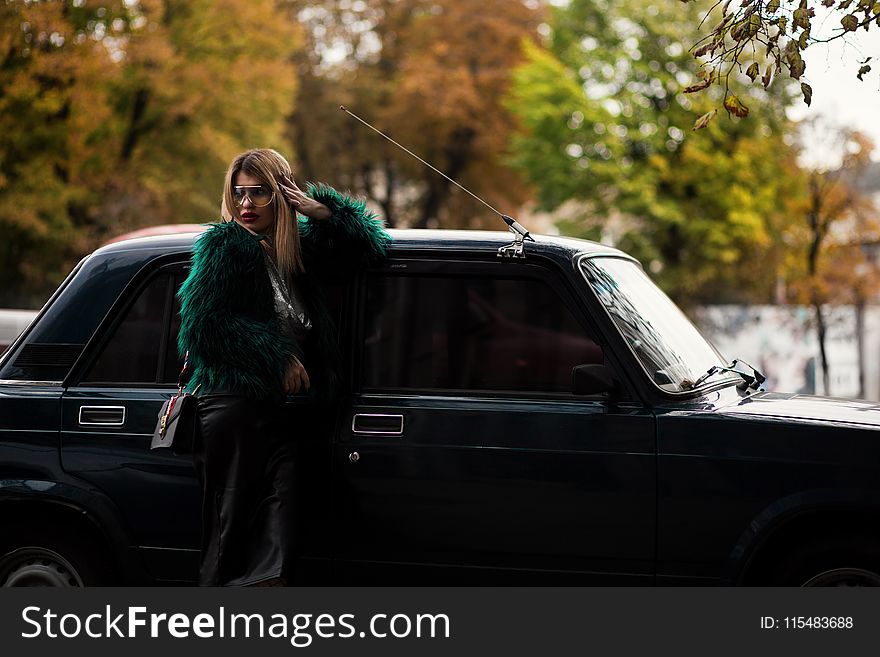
[670,348]
[471,333]
[142,346]
[173,362]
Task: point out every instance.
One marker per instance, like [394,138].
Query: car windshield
[669,346]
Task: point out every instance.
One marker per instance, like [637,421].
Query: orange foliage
[434,83]
[834,238]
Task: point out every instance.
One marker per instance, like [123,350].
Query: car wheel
[53,562]
[842,562]
[845,577]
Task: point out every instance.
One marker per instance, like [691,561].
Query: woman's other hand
[295,378]
[302,203]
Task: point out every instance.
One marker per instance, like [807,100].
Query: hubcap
[35,566]
[845,577]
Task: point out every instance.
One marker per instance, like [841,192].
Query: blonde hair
[269,166]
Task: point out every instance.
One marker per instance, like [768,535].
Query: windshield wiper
[751,381]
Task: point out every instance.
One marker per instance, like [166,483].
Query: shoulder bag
[176,426]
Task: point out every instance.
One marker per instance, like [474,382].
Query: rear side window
[142,346]
[471,333]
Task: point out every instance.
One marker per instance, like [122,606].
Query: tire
[42,560]
[840,562]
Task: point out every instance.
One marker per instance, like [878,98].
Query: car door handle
[101,416]
[377,424]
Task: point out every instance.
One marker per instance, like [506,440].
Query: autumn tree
[766,39]
[200,80]
[116,115]
[431,74]
[352,56]
[606,120]
[55,114]
[829,264]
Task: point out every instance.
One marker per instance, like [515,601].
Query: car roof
[403,239]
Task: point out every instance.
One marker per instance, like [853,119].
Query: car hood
[807,408]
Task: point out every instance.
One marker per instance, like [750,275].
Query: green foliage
[606,120]
[120,114]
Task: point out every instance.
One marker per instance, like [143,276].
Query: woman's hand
[295,378]
[302,203]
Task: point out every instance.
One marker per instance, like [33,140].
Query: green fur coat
[228,319]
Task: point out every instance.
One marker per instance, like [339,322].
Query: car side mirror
[591,380]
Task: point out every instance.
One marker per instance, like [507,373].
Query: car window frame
[165,265]
[621,342]
[543,269]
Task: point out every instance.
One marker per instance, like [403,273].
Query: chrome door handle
[101,416]
[377,424]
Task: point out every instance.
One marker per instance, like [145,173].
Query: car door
[464,457]
[110,411]
[108,415]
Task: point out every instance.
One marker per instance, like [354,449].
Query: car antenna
[512,250]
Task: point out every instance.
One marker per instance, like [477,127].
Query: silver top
[288,304]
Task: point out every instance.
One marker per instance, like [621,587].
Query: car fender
[95,508]
[774,521]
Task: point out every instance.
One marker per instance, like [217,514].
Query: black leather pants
[245,455]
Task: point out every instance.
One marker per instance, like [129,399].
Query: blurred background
[571,115]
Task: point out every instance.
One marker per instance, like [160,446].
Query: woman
[256,328]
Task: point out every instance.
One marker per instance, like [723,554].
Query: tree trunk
[860,344]
[386,201]
[820,334]
[431,203]
[817,232]
[387,205]
[457,153]
[135,125]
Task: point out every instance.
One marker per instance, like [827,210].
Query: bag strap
[182,370]
[180,377]
[173,401]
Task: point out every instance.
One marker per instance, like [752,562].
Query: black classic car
[546,419]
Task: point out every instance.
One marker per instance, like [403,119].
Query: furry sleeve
[228,321]
[353,236]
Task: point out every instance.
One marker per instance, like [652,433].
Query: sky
[838,95]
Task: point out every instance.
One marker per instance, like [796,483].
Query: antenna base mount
[516,248]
